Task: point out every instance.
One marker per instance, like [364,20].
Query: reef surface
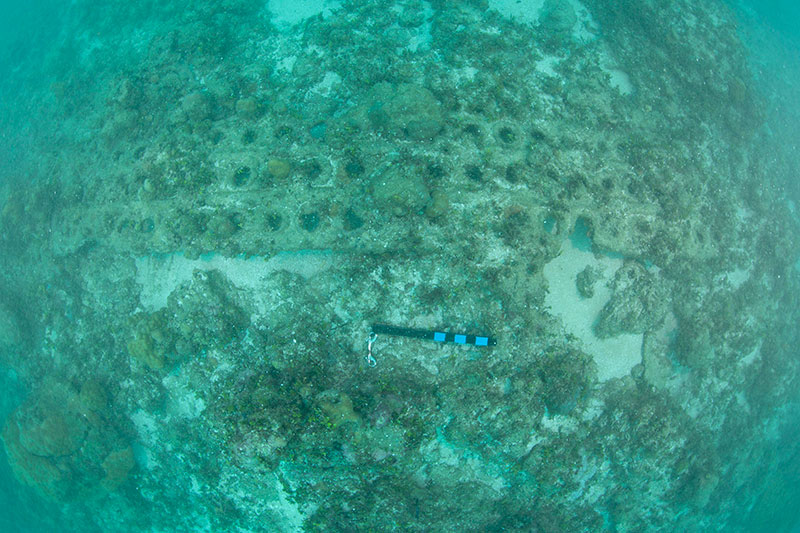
[206,205]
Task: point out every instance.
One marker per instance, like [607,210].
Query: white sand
[585,30]
[287,13]
[616,356]
[159,275]
[524,11]
[528,11]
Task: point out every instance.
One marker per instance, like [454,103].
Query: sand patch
[615,356]
[159,275]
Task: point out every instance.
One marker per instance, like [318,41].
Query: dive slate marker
[431,335]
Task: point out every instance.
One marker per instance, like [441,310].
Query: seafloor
[205,205]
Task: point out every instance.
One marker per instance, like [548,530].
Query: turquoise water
[204,206]
[779,16]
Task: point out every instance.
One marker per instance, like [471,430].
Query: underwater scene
[399,265]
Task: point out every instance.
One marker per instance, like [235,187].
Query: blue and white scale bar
[433,335]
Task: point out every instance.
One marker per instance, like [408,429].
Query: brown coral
[60,446]
[117,465]
[41,473]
